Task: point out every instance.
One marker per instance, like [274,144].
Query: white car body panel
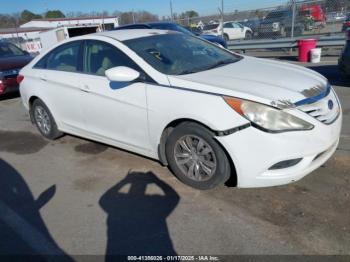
[268,83]
[133,116]
[234,33]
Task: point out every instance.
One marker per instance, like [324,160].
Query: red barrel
[305,46]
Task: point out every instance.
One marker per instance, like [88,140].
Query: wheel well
[31,101]
[232,182]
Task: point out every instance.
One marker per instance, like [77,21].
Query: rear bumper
[9,89]
[254,152]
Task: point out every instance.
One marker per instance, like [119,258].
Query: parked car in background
[346,24]
[335,17]
[253,24]
[344,60]
[12,59]
[208,113]
[232,30]
[174,27]
[280,23]
[195,30]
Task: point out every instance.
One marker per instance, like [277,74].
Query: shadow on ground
[9,96]
[23,231]
[137,216]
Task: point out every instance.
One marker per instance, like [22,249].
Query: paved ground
[70,196]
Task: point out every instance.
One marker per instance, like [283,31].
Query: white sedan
[231,31]
[209,114]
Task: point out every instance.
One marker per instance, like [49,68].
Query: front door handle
[85,88]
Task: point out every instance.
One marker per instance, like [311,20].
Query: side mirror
[122,74]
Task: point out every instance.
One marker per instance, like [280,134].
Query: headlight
[267,118]
[276,25]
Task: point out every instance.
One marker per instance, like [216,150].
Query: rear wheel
[44,120]
[196,158]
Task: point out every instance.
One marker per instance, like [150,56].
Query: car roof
[148,25]
[128,34]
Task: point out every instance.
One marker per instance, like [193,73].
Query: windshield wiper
[218,64]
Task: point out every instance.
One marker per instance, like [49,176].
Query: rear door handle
[85,88]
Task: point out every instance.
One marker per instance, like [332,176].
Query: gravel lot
[85,208]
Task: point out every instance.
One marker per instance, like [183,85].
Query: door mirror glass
[122,74]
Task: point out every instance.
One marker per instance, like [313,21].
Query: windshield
[276,15]
[8,50]
[211,27]
[179,54]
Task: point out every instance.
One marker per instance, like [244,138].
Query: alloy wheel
[42,120]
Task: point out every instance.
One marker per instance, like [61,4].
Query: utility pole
[222,18]
[171,10]
[294,7]
[17,35]
[133,17]
[221,10]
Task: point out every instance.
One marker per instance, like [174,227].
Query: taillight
[20,78]
[2,87]
[347,23]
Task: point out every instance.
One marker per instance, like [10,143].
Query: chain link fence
[293,19]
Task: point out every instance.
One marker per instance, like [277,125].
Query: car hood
[271,20]
[14,62]
[261,80]
[213,38]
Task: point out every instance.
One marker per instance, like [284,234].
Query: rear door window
[63,58]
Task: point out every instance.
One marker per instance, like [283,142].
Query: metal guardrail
[323,41]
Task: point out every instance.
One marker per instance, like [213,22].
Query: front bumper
[254,152]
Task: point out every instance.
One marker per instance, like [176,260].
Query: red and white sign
[33,47]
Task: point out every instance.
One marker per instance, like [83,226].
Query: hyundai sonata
[207,113]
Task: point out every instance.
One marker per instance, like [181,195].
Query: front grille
[325,110]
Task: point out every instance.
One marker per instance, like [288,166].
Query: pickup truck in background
[280,23]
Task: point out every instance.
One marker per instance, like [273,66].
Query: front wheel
[196,158]
[226,37]
[248,35]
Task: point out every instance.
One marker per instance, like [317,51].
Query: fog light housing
[286,164]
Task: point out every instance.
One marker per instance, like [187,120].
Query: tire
[226,37]
[248,35]
[44,120]
[283,32]
[200,163]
